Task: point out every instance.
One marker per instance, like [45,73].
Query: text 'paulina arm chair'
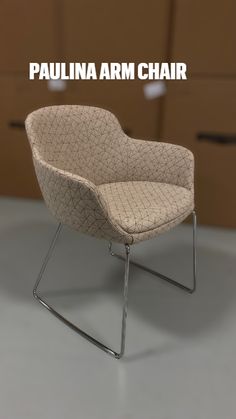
[97,180]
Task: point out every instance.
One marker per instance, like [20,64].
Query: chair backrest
[84,140]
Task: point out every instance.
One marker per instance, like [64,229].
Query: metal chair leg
[163,277]
[100,345]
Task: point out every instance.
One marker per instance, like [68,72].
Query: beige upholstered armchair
[97,180]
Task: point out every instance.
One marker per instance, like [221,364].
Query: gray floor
[181,350]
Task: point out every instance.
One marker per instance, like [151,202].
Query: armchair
[97,180]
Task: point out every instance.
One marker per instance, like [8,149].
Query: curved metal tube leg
[125,304]
[163,277]
[100,345]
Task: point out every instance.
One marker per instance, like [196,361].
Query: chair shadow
[155,302]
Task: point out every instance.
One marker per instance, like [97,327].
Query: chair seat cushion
[143,206]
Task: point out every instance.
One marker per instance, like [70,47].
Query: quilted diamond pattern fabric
[99,181]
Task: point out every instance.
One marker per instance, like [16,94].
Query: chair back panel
[84,140]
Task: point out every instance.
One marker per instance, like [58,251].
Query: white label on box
[154,89]
[56,85]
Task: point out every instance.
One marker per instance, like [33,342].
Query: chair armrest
[76,202]
[161,162]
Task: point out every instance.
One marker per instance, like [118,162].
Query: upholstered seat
[97,180]
[144,209]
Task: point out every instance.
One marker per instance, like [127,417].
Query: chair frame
[127,260]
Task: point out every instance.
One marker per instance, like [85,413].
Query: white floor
[180,360]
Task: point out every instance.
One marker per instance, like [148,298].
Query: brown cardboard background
[105,31]
[28,33]
[204,34]
[206,105]
[19,97]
